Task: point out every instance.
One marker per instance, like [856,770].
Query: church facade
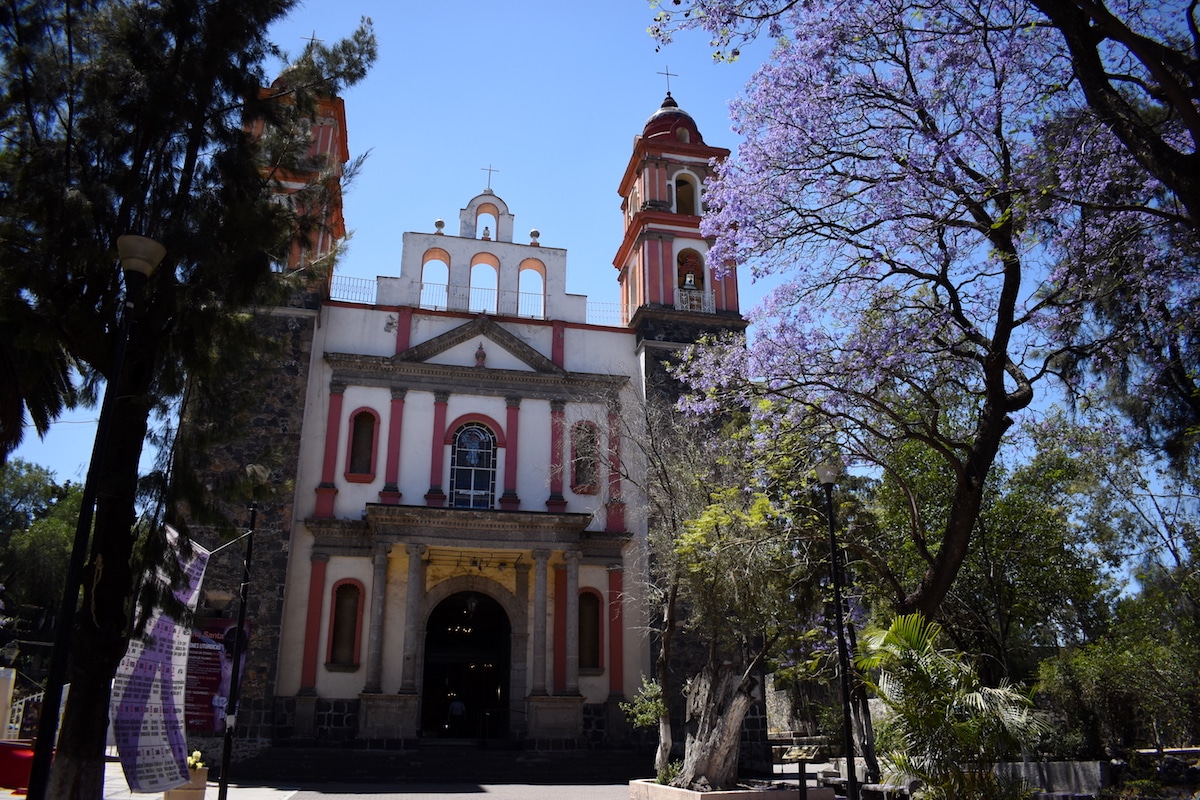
[462,551]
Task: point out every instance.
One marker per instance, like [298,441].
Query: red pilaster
[556,503]
[666,275]
[614,517]
[403,328]
[652,261]
[326,490]
[436,497]
[509,501]
[558,343]
[390,493]
[560,627]
[616,632]
[312,625]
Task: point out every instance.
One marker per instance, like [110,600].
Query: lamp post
[139,258]
[827,473]
[235,678]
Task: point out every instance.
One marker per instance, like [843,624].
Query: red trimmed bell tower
[670,293]
[316,186]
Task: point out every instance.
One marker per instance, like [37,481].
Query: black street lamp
[235,676]
[139,258]
[827,473]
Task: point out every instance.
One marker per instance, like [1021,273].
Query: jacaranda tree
[894,174]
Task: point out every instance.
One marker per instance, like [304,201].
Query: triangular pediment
[482,327]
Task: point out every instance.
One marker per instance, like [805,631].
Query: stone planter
[193,789]
[648,789]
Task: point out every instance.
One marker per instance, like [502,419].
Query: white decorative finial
[533,237]
[439,224]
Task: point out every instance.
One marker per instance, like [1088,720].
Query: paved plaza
[115,788]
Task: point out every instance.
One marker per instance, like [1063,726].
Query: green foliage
[1124,691]
[27,492]
[668,773]
[944,726]
[1031,577]
[37,531]
[647,706]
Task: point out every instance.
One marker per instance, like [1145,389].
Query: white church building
[464,544]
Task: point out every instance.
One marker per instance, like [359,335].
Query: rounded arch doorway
[468,652]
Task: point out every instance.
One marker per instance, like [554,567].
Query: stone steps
[462,761]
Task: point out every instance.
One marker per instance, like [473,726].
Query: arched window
[685,195]
[345,625]
[364,440]
[473,467]
[590,632]
[585,458]
[435,279]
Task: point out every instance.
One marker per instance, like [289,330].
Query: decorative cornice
[364,370]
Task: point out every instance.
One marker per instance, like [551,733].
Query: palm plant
[943,727]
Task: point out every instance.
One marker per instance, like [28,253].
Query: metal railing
[694,300]
[439,297]
[350,289]
[16,717]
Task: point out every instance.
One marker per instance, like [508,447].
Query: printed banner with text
[148,690]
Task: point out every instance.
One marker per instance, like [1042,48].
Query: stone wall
[265,432]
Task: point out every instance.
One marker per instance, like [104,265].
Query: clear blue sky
[550,94]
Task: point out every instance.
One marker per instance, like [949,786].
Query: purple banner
[148,690]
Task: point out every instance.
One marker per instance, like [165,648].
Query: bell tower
[312,185]
[670,292]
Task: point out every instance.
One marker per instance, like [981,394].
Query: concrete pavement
[115,788]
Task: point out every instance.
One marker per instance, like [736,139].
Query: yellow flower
[194,760]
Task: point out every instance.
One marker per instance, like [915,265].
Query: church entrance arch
[468,659]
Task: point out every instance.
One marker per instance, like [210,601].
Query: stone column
[374,677]
[509,501]
[412,616]
[540,559]
[572,558]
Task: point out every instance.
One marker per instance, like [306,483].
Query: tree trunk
[863,726]
[717,702]
[101,627]
[662,756]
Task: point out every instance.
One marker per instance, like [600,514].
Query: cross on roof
[669,75]
[488,169]
[313,39]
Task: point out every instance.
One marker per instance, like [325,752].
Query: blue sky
[549,94]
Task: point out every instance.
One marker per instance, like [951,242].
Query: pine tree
[126,117]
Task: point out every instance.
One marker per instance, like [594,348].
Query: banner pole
[239,648]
